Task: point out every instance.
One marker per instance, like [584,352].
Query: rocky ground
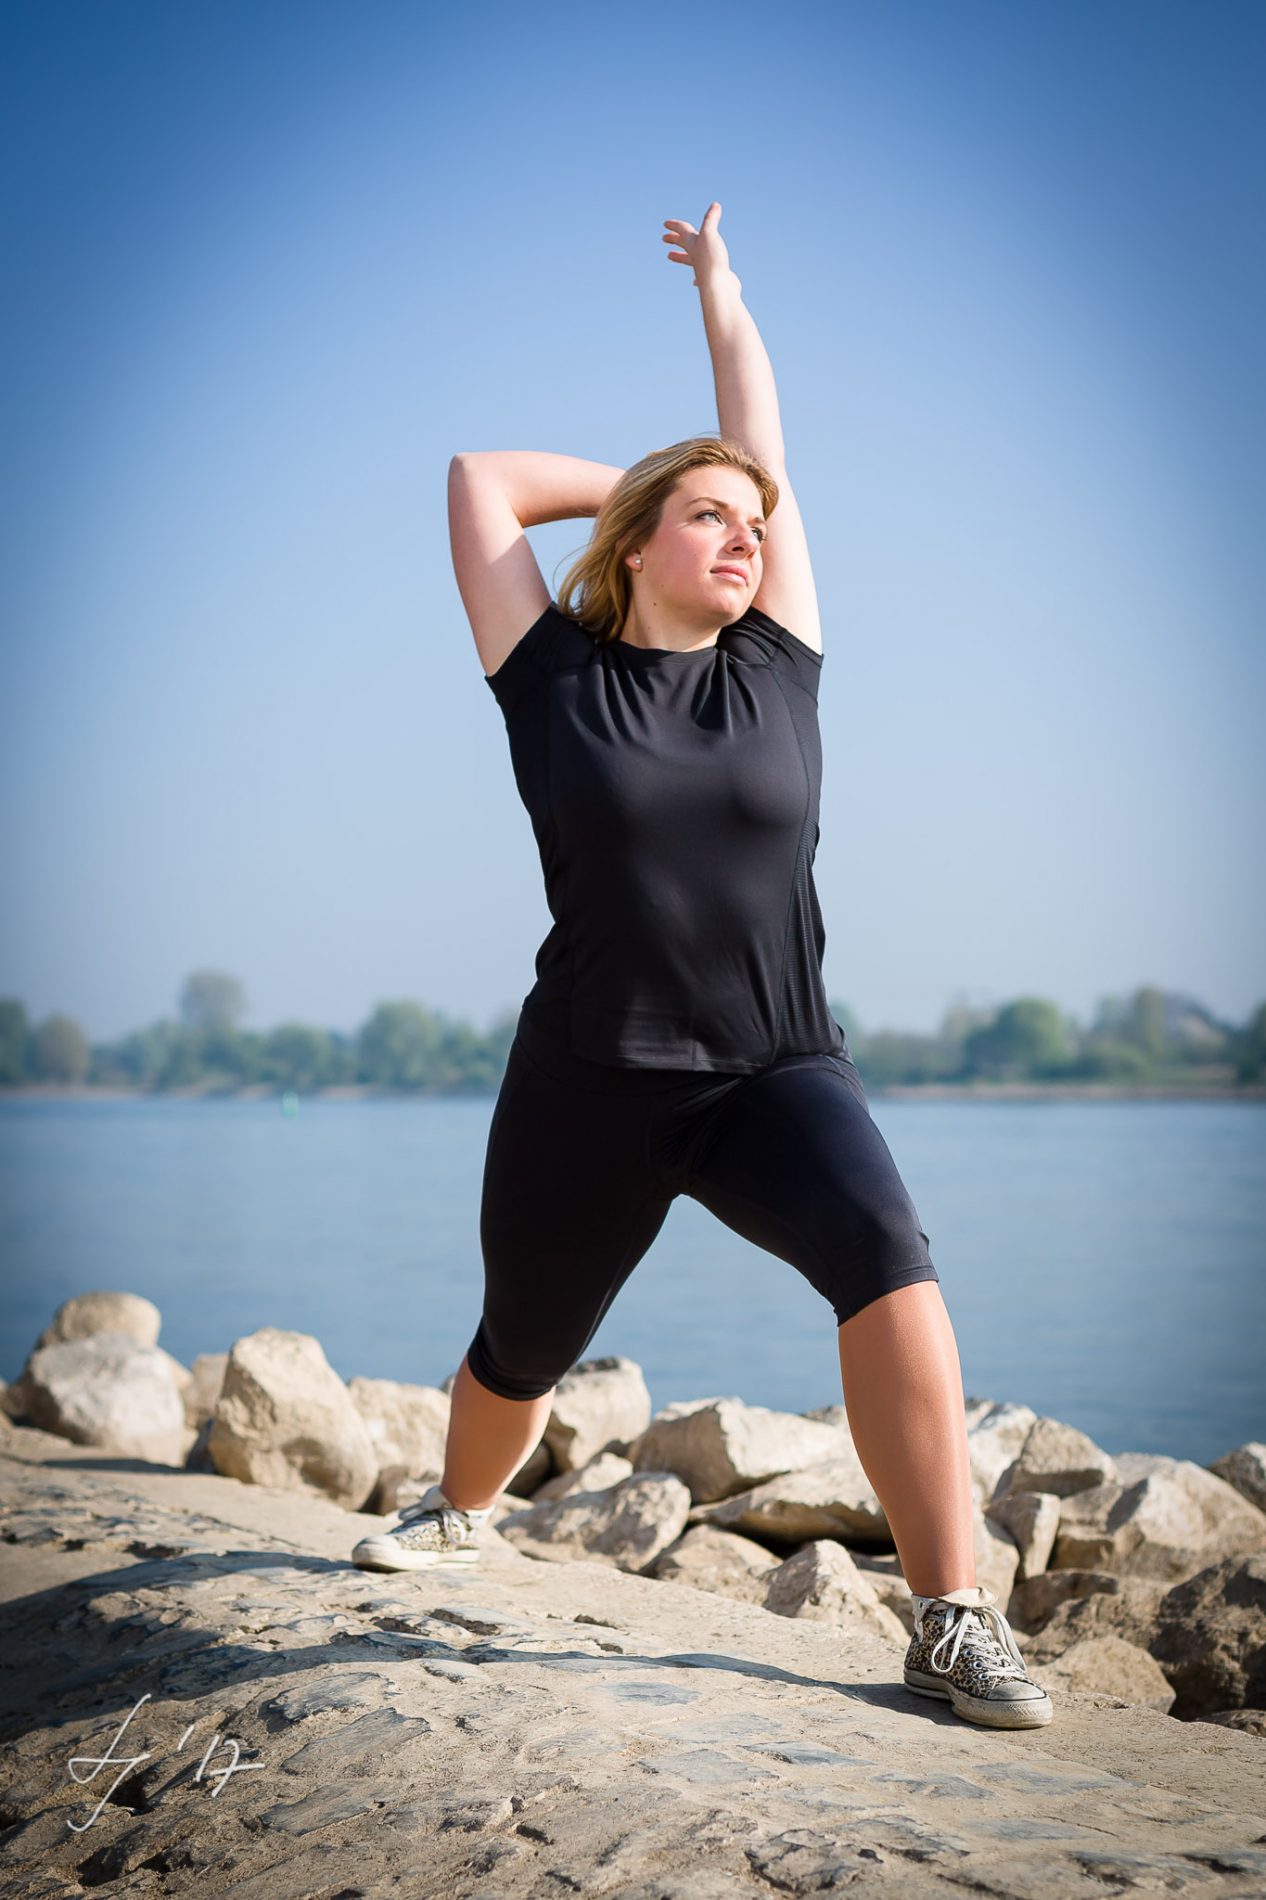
[201,1693]
[674,1672]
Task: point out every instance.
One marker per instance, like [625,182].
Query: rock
[1210,1637]
[1167,1525]
[1034,1600]
[1031,1520]
[995,1437]
[397,1486]
[1109,1665]
[1245,1471]
[407,1424]
[104,1389]
[284,1417]
[720,1561]
[598,1406]
[128,1314]
[1248,1721]
[1131,1611]
[1059,1459]
[599,1474]
[206,1378]
[836,1415]
[533,1474]
[629,1525]
[832,1499]
[996,1557]
[882,1570]
[823,1583]
[722,1446]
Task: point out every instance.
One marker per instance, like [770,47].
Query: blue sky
[272,264]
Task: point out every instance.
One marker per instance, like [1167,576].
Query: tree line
[1151,1036]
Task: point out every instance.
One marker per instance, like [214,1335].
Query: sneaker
[963,1650]
[430,1533]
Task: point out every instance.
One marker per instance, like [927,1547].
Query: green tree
[1027,1037]
[297,1057]
[211,1000]
[400,1046]
[1250,1048]
[15,1039]
[847,1021]
[1146,1024]
[61,1050]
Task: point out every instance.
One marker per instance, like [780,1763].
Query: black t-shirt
[674,799]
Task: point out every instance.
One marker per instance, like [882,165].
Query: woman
[677,1040]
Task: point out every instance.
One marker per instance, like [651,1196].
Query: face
[704,558]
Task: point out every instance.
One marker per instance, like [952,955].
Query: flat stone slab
[200,1692]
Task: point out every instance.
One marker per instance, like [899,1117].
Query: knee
[518,1380]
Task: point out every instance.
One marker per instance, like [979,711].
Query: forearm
[541,486]
[747,399]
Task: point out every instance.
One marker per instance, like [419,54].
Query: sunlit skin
[679,599]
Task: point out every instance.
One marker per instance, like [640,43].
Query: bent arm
[540,486]
[493,496]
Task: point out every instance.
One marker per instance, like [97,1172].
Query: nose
[745,542]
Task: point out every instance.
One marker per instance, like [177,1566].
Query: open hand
[704,249]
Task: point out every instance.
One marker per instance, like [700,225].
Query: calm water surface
[1102,1262]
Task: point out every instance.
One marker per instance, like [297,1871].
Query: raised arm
[747,412]
[493,495]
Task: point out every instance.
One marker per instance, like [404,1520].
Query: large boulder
[1056,1458]
[407,1424]
[719,1447]
[1210,1637]
[134,1318]
[1131,1611]
[1245,1470]
[105,1389]
[206,1381]
[628,1524]
[1031,1520]
[284,1417]
[1034,1600]
[720,1561]
[821,1582]
[995,1438]
[1109,1665]
[600,1405]
[1163,1518]
[832,1499]
[607,1469]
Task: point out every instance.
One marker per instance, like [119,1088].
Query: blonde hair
[630,515]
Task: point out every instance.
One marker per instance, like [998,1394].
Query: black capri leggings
[584,1161]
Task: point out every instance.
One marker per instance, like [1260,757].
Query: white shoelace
[993,1646]
[413,1513]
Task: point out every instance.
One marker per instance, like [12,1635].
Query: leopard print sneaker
[964,1651]
[430,1533]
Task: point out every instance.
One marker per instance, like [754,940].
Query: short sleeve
[552,642]
[793,658]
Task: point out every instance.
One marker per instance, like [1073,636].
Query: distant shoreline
[894,1091]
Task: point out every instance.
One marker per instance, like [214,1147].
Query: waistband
[550,1053]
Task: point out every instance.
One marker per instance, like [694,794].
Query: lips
[736,571]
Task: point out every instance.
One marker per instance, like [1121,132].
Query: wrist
[721,287]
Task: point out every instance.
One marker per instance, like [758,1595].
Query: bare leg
[903,1392]
[489,1439]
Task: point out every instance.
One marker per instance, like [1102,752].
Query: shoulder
[553,643]
[757,637]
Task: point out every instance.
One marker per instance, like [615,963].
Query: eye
[760,532]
